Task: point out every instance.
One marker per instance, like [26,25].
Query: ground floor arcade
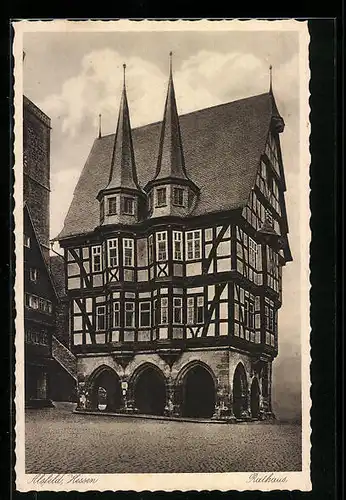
[219,384]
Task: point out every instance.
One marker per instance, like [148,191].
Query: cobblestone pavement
[58,441]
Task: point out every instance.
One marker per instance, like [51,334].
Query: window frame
[141,312]
[161,191]
[199,307]
[114,311]
[193,241]
[33,274]
[178,308]
[178,241]
[151,249]
[131,247]
[129,310]
[112,244]
[131,201]
[253,252]
[98,316]
[96,251]
[165,242]
[163,300]
[177,192]
[112,203]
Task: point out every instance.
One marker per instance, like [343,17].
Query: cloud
[205,79]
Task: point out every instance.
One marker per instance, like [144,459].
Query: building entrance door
[150,392]
[198,393]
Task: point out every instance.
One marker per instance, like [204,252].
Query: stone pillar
[83,396]
[128,405]
[223,409]
[170,409]
[247,409]
[177,399]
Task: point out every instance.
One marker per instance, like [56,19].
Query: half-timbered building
[174,245]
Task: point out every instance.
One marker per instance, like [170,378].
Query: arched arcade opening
[105,390]
[240,400]
[149,391]
[198,393]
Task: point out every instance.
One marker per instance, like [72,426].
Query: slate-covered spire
[277,120]
[123,169]
[171,158]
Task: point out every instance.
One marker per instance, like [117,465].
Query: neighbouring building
[44,354]
[174,245]
[39,292]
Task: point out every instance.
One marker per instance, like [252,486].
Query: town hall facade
[174,245]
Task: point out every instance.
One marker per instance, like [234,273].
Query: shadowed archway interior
[105,391]
[150,392]
[239,392]
[198,393]
[255,403]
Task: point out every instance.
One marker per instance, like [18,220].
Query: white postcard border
[240,481]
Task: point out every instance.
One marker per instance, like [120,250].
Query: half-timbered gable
[39,316]
[195,275]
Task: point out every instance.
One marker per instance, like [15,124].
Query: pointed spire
[100,130]
[123,170]
[171,158]
[277,120]
[124,76]
[271,79]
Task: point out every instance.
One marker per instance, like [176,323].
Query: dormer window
[178,197]
[27,241]
[33,274]
[161,197]
[128,206]
[112,205]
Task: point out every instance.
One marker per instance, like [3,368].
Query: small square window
[112,205]
[128,204]
[161,197]
[178,197]
[33,274]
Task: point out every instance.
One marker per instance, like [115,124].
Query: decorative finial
[100,135]
[170,62]
[124,70]
[271,78]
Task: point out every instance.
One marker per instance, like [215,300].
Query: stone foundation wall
[221,365]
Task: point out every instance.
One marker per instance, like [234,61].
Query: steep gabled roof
[222,148]
[28,219]
[57,268]
[123,169]
[171,157]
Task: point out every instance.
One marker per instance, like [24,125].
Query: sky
[73,77]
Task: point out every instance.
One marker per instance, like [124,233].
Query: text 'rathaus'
[174,245]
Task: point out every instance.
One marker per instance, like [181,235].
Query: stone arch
[255,398]
[148,389]
[103,387]
[196,387]
[240,391]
